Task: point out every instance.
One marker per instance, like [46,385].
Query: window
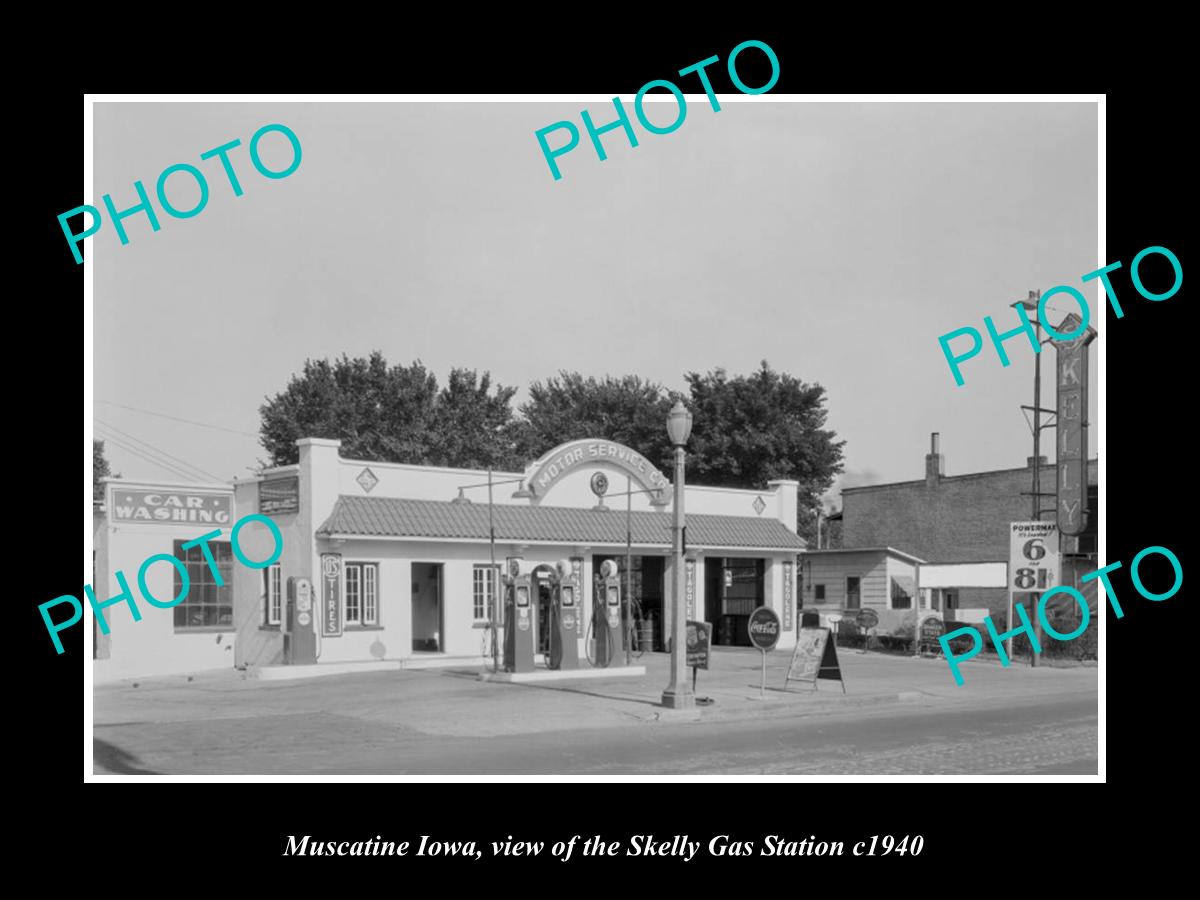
[901,599]
[207,604]
[272,595]
[852,594]
[362,594]
[483,593]
[819,592]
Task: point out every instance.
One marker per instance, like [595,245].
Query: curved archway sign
[545,473]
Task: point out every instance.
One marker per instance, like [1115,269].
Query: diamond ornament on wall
[759,505]
[366,480]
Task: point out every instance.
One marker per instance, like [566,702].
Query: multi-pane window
[852,593]
[362,593]
[207,603]
[272,595]
[901,599]
[483,593]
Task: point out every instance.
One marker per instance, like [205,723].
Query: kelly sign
[1072,429]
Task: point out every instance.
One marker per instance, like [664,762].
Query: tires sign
[1033,560]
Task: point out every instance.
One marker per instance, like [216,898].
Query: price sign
[1033,560]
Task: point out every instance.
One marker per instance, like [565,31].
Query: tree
[628,410]
[100,469]
[391,414]
[378,413]
[753,429]
[472,428]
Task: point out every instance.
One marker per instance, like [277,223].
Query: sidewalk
[452,702]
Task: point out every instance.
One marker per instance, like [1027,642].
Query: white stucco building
[399,556]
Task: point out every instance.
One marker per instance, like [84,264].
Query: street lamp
[678,694]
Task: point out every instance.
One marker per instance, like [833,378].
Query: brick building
[961,519]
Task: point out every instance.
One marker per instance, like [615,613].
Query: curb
[788,709]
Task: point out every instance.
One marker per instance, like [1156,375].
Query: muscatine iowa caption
[678,846]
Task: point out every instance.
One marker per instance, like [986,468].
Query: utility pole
[1031,304]
[1037,456]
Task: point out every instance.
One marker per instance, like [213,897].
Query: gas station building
[397,559]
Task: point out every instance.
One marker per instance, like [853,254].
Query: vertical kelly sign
[1071,425]
[331,594]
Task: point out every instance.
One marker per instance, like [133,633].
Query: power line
[158,450]
[177,419]
[141,454]
[170,468]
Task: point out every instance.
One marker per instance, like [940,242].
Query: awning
[369,517]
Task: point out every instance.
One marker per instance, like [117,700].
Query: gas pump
[300,636]
[564,648]
[519,634]
[606,616]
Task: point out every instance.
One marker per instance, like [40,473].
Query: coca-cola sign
[764,628]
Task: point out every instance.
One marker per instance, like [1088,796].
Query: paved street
[900,716]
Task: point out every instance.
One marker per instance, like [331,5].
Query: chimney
[935,463]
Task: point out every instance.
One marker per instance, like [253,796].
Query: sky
[836,241]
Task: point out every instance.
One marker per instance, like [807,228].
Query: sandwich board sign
[815,657]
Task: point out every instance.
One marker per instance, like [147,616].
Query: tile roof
[395,517]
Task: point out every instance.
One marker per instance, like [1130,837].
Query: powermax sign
[169,507]
[1033,559]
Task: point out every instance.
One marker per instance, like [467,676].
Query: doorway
[733,588]
[543,581]
[644,582]
[427,614]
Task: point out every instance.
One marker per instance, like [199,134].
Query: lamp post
[678,694]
